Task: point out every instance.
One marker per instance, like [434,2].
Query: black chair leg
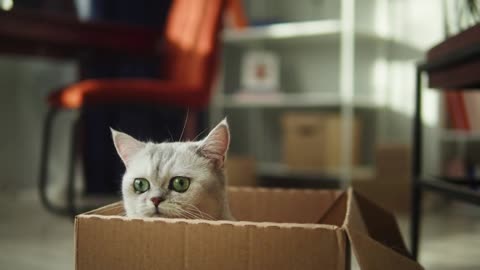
[70,209]
[415,222]
[44,158]
[416,203]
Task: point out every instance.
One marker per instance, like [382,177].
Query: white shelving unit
[284,31]
[456,143]
[340,32]
[360,173]
[460,136]
[293,100]
[305,31]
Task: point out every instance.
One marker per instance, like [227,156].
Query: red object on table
[457,110]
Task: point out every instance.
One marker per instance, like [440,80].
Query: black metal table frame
[420,182]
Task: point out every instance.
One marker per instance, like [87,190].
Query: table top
[33,34]
[455,62]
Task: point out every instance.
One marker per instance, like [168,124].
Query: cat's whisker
[174,210]
[199,214]
[199,134]
[184,124]
[181,207]
[170,133]
[194,209]
[203,214]
[185,214]
[189,214]
[193,215]
[172,213]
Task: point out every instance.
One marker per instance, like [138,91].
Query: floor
[31,238]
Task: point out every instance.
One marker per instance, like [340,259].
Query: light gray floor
[31,238]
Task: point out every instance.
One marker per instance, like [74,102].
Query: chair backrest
[192,36]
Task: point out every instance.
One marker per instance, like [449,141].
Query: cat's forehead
[171,148]
[166,156]
[160,153]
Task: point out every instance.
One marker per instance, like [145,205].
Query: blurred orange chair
[191,48]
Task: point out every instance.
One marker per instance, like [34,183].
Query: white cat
[177,179]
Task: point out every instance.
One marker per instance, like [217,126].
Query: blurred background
[318,94]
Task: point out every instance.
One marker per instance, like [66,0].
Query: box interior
[269,205]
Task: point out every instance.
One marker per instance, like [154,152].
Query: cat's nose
[156,200]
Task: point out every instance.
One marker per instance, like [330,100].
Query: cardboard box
[279,229]
[313,141]
[391,186]
[241,171]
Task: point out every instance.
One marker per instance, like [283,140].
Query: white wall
[24,85]
[419,23]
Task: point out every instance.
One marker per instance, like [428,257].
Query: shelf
[454,63]
[293,100]
[311,31]
[283,31]
[279,170]
[459,136]
[451,190]
[472,182]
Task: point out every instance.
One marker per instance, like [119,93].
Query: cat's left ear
[126,145]
[215,145]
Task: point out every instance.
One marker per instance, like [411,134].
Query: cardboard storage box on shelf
[391,185]
[313,140]
[278,229]
[241,171]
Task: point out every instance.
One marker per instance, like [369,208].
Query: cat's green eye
[141,185]
[179,184]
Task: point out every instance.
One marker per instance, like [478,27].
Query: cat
[175,179]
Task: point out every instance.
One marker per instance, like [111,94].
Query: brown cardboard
[381,245]
[279,230]
[313,141]
[391,185]
[393,162]
[241,171]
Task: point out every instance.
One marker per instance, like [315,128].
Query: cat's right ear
[126,145]
[215,145]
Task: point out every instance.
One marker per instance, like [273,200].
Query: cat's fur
[201,161]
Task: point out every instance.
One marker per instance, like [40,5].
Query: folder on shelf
[457,110]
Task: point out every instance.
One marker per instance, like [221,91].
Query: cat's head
[175,179]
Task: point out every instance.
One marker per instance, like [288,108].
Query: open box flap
[375,237]
[371,255]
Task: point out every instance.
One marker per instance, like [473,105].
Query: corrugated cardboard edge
[208,222]
[370,253]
